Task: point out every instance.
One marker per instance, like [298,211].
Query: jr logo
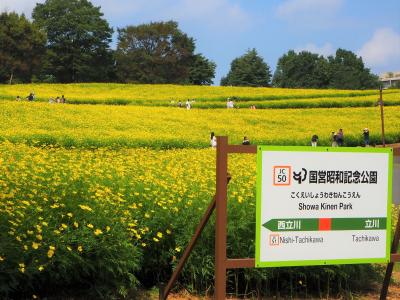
[274,239]
[282,175]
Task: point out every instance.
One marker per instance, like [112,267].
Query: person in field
[63,100]
[366,137]
[334,139]
[245,141]
[314,140]
[229,103]
[58,99]
[51,100]
[213,140]
[31,96]
[188,104]
[180,104]
[340,137]
[18,98]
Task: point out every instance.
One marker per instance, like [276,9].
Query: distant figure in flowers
[180,104]
[246,141]
[63,100]
[31,96]
[340,137]
[314,140]
[18,98]
[58,99]
[188,104]
[51,100]
[334,139]
[213,140]
[229,103]
[366,137]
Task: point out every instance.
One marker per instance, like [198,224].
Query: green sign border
[386,259]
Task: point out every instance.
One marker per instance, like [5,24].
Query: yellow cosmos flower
[51,251]
[97,232]
[35,245]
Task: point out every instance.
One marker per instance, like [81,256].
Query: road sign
[321,205]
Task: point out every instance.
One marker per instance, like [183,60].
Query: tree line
[69,41]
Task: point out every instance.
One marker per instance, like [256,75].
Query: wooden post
[221,218]
[382,117]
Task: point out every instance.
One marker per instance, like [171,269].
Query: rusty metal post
[382,117]
[389,268]
[221,218]
[164,291]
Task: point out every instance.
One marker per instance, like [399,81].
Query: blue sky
[225,29]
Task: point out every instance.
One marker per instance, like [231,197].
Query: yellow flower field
[106,197]
[166,95]
[128,126]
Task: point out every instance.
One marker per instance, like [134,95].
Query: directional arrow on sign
[326,224]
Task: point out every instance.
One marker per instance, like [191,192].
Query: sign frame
[291,263]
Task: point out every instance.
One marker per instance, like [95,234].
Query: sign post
[318,206]
[288,179]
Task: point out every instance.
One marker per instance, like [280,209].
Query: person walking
[314,140]
[18,98]
[246,141]
[366,137]
[188,105]
[340,137]
[334,139]
[213,140]
[63,100]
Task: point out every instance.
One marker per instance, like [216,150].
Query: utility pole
[382,117]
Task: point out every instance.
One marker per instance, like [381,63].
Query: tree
[347,71]
[78,40]
[301,70]
[248,70]
[308,70]
[202,71]
[22,47]
[158,52]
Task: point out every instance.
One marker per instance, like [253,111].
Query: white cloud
[292,8]
[382,50]
[325,50]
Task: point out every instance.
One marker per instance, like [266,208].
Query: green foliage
[22,47]
[307,70]
[347,71]
[158,52]
[248,70]
[78,40]
[202,71]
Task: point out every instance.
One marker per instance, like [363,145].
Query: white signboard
[323,205]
